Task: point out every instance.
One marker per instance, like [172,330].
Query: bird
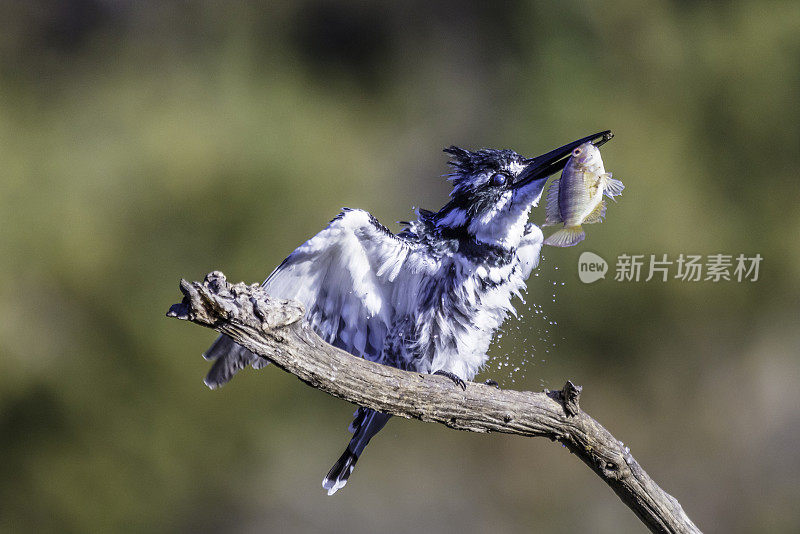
[427,299]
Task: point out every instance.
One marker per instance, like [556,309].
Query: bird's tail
[366,424]
[566,237]
[229,357]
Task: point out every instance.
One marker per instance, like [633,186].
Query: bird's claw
[491,382]
[459,382]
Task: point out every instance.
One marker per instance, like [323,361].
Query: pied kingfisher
[427,299]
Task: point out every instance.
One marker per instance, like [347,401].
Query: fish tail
[566,237]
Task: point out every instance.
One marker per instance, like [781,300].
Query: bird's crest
[471,169]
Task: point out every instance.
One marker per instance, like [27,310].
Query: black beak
[545,165]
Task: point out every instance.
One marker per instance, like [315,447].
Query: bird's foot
[459,382]
[491,382]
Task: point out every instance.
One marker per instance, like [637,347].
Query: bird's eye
[499,179]
[577,152]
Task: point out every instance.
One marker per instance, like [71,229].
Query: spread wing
[344,277]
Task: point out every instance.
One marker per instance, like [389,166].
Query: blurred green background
[142,142]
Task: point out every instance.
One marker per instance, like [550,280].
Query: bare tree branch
[272,328]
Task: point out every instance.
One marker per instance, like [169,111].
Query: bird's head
[494,191]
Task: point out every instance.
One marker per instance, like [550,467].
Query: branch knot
[215,299]
[569,397]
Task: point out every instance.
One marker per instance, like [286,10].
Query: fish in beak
[542,167]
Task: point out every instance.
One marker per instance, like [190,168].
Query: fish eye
[499,179]
[577,152]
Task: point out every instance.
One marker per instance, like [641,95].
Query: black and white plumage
[427,299]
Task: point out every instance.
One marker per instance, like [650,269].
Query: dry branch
[273,328]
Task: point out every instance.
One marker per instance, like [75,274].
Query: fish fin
[612,187]
[597,214]
[566,237]
[553,212]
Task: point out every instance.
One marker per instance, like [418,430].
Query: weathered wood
[273,328]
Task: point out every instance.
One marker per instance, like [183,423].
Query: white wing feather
[343,276]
